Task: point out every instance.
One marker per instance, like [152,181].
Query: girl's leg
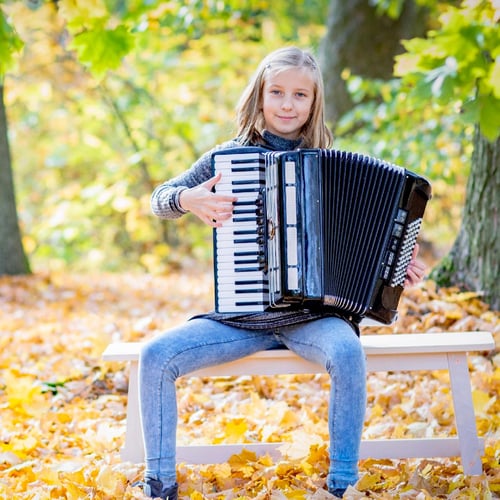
[194,345]
[333,343]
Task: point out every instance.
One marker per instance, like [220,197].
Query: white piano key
[258,302]
[238,156]
[241,273]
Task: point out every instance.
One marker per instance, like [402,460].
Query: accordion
[315,229]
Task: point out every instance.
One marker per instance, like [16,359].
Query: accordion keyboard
[241,282]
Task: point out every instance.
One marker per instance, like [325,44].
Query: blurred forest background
[88,147]
[100,101]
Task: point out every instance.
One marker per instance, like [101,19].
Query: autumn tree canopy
[119,97]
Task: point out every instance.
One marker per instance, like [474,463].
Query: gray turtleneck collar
[277,143]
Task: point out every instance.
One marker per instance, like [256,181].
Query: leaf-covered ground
[63,410]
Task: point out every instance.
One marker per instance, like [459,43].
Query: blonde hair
[250,117]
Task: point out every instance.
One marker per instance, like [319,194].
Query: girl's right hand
[210,207]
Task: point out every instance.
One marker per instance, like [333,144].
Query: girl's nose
[286,103]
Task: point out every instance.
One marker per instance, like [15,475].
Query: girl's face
[288,97]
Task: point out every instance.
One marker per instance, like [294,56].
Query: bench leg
[470,445]
[133,449]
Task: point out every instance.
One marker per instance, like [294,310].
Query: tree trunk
[473,262]
[12,257]
[360,40]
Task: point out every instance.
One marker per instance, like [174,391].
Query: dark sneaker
[338,492]
[154,488]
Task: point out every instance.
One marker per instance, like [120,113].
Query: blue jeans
[199,343]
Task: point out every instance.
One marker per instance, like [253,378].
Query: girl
[282,109]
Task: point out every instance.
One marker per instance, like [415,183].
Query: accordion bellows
[315,229]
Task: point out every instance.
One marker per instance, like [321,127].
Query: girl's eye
[275,92]
[301,94]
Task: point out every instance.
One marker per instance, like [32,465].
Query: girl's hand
[212,208]
[416,269]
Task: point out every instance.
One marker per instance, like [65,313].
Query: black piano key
[246,254]
[248,270]
[250,282]
[244,203]
[251,303]
[238,262]
[244,219]
[254,240]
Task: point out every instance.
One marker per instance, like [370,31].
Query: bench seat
[393,352]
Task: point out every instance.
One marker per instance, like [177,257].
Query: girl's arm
[166,200]
[191,191]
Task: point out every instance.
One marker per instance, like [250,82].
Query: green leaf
[103,49]
[52,387]
[485,111]
[10,43]
[470,111]
[489,117]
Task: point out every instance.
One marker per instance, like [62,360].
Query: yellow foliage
[23,394]
[64,442]
[368,482]
[234,431]
[482,401]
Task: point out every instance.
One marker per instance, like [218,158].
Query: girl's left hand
[416,269]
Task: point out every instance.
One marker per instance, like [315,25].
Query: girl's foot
[154,488]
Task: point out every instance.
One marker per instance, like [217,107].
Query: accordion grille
[360,194]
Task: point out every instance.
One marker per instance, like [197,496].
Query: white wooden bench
[398,352]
